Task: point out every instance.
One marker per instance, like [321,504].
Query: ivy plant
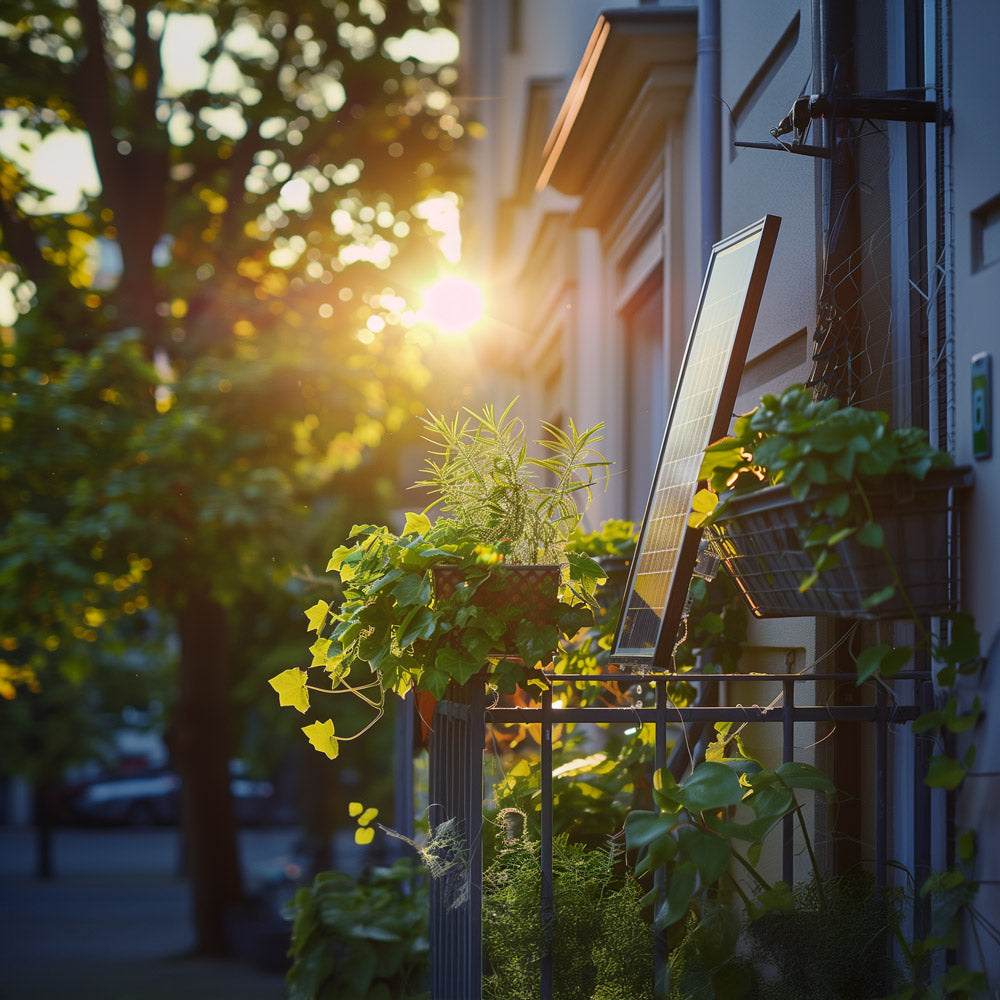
[395,627]
[822,451]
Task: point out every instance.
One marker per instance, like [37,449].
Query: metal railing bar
[750,713]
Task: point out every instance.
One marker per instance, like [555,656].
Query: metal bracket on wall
[892,106]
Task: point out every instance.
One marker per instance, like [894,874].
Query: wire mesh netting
[879,329]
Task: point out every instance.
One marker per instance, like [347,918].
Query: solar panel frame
[666,535]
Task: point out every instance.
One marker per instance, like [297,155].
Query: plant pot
[759,542]
[532,592]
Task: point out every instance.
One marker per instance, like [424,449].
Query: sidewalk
[114,924]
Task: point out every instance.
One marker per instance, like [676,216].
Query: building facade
[621,144]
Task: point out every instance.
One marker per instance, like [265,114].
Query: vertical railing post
[787,753]
[660,950]
[881,787]
[547,903]
[474,818]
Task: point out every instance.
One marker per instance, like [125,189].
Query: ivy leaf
[291,688]
[418,624]
[944,772]
[412,589]
[869,660]
[317,616]
[416,524]
[879,597]
[871,534]
[321,736]
[337,558]
[320,650]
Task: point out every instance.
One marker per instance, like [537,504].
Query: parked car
[153,798]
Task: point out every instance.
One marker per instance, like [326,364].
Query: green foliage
[194,361]
[397,626]
[360,939]
[820,451]
[827,455]
[601,944]
[693,835]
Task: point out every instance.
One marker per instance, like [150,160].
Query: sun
[452,305]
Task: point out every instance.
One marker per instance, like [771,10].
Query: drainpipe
[709,126]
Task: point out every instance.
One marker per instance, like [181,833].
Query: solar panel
[700,412]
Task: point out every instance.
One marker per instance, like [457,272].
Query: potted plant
[491,581]
[821,509]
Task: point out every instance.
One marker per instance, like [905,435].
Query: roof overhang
[627,48]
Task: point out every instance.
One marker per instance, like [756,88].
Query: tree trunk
[200,745]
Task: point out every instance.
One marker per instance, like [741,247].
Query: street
[114,923]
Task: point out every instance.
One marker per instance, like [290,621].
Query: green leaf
[582,567]
[661,851]
[291,688]
[707,852]
[680,889]
[798,774]
[944,772]
[321,736]
[412,589]
[778,897]
[643,827]
[966,846]
[710,786]
[869,660]
[704,502]
[456,664]
[879,597]
[871,534]
[418,624]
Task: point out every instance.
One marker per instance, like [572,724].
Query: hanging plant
[821,509]
[445,599]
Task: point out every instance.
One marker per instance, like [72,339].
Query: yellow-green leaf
[337,558]
[291,688]
[355,809]
[705,501]
[367,816]
[364,835]
[320,735]
[416,524]
[317,616]
[320,650]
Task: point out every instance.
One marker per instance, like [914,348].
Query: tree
[219,335]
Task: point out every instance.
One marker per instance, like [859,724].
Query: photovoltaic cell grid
[699,413]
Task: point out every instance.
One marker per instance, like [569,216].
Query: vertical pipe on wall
[709,126]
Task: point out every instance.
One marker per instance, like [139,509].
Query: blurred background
[230,279]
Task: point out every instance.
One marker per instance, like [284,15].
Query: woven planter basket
[758,540]
[532,591]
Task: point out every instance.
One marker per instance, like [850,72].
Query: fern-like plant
[485,480]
